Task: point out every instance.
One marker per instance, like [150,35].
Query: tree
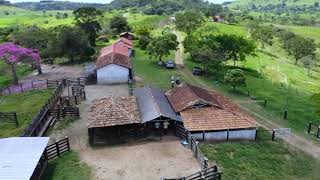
[299,47]
[119,24]
[73,41]
[189,21]
[86,18]
[235,77]
[144,41]
[13,54]
[235,48]
[213,9]
[308,62]
[162,45]
[263,34]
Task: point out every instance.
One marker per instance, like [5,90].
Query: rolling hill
[245,3]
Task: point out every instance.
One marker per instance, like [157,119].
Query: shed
[112,116]
[154,105]
[127,35]
[210,116]
[114,65]
[124,42]
[21,158]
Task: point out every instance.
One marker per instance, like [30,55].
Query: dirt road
[295,140]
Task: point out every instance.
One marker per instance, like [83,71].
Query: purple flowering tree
[12,54]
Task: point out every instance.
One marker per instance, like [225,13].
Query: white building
[114,65]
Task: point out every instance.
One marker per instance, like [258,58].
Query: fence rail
[9,117]
[57,148]
[210,173]
[41,121]
[184,134]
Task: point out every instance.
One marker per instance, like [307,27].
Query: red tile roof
[186,96]
[125,42]
[212,118]
[114,111]
[114,49]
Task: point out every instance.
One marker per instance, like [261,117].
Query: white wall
[222,135]
[112,74]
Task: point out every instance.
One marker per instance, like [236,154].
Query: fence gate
[281,133]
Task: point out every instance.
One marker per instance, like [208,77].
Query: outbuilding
[155,109]
[113,117]
[210,116]
[127,35]
[114,65]
[22,158]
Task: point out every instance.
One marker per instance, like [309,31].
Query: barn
[155,110]
[111,118]
[210,116]
[114,65]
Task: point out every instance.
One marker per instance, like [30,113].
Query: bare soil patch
[54,72]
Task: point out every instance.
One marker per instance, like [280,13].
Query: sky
[96,1]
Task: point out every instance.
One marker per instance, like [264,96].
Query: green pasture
[27,105]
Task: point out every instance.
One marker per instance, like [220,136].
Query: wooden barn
[113,117]
[209,116]
[114,65]
[22,158]
[156,112]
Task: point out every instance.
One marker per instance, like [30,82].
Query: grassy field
[263,160]
[26,105]
[6,75]
[272,75]
[67,167]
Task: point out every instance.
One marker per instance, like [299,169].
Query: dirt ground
[54,72]
[144,160]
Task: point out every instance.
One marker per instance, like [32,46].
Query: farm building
[22,158]
[114,65]
[126,43]
[155,108]
[209,116]
[112,117]
[127,35]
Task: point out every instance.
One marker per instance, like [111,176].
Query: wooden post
[16,119]
[285,114]
[21,87]
[318,132]
[203,134]
[228,135]
[57,147]
[84,95]
[309,128]
[265,102]
[32,85]
[205,162]
[47,83]
[248,93]
[256,135]
[9,90]
[68,144]
[58,112]
[273,134]
[76,100]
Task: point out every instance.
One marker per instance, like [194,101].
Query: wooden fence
[184,134]
[42,120]
[210,173]
[60,112]
[9,117]
[57,148]
[314,129]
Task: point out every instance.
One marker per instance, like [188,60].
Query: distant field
[19,16]
[274,2]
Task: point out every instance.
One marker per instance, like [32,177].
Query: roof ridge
[153,100]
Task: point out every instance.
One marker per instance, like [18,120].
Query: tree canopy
[119,24]
[189,21]
[235,77]
[86,18]
[162,45]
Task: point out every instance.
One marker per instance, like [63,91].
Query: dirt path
[294,140]
[179,53]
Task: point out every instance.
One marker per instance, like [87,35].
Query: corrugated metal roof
[19,156]
[154,104]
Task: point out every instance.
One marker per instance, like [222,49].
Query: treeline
[58,5]
[160,7]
